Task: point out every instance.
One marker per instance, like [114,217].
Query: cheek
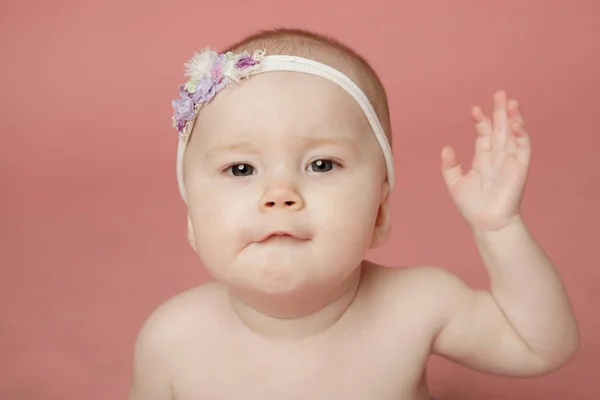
[347,220]
[220,219]
[215,217]
[219,234]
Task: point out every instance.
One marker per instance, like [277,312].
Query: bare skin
[377,348]
[294,317]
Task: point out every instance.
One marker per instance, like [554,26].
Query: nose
[281,196]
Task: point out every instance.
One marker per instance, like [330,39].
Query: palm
[489,194]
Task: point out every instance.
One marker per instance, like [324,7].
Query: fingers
[451,168]
[513,114]
[506,129]
[500,120]
[483,127]
[517,128]
[505,132]
[513,111]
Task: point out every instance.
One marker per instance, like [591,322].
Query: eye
[322,165]
[240,169]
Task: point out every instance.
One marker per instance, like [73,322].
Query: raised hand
[489,195]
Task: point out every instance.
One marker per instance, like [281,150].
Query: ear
[382,230]
[190,233]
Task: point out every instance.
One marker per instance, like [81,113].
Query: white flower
[200,64]
[228,68]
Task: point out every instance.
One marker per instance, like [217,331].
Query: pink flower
[246,61]
[217,72]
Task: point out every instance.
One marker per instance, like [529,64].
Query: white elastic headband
[268,64]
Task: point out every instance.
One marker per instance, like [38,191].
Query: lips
[280,234]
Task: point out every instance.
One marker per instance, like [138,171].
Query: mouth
[280,235]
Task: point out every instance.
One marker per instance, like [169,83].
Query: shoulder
[162,338]
[173,318]
[435,290]
[424,279]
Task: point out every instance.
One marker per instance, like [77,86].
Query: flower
[209,73]
[246,61]
[200,64]
[183,93]
[216,73]
[179,124]
[184,108]
[228,69]
[205,91]
[219,86]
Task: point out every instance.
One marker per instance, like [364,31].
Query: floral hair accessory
[209,72]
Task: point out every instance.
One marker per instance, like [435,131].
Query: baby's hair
[318,47]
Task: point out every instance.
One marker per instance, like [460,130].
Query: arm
[150,376]
[524,326]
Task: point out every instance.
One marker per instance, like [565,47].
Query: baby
[285,164]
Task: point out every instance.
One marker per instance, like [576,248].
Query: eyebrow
[328,141]
[314,142]
[240,147]
[247,147]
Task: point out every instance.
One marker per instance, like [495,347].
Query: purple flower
[184,109]
[220,85]
[184,94]
[205,91]
[245,61]
[180,124]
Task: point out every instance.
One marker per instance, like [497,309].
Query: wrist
[501,233]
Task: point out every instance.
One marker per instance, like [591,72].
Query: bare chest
[361,364]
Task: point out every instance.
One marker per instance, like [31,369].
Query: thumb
[451,169]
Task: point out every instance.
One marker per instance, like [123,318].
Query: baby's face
[285,182]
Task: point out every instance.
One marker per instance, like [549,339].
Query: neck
[296,316]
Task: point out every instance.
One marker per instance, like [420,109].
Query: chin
[282,268]
[278,277]
[291,279]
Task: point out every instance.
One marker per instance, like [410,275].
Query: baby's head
[284,175]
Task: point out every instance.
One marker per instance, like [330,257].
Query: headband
[211,72]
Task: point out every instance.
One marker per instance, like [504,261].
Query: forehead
[281,106]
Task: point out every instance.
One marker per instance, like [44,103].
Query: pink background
[92,228]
